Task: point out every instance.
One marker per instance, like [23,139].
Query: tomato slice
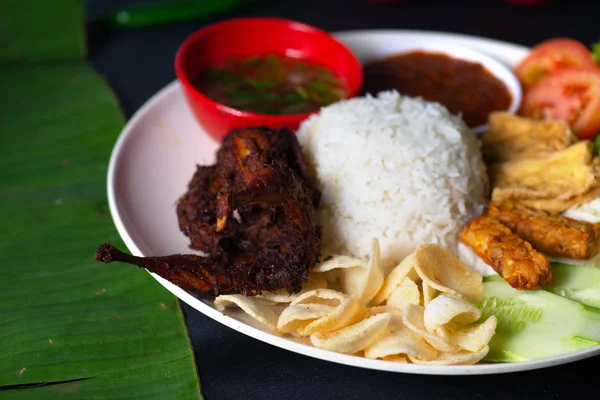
[550,56]
[572,95]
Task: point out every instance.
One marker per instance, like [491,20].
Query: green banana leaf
[70,326]
[41,30]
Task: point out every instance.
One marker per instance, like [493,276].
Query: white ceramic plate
[155,157]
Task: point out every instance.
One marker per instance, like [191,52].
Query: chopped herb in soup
[271,85]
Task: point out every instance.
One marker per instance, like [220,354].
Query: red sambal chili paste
[462,86]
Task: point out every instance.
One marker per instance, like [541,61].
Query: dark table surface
[137,63]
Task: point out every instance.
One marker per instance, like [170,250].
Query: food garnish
[383,319]
[550,56]
[562,81]
[464,87]
[576,282]
[536,324]
[596,52]
[572,95]
[252,213]
[553,235]
[270,84]
[511,257]
[510,137]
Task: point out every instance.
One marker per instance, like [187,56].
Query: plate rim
[171,89]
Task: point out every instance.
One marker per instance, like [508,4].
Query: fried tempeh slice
[562,175]
[510,137]
[513,258]
[552,235]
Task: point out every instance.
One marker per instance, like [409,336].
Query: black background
[137,63]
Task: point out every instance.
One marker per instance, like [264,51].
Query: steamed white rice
[400,169]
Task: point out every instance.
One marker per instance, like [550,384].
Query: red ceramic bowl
[245,37]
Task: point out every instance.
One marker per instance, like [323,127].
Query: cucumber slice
[536,324]
[577,283]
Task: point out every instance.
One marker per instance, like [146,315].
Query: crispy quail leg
[275,247]
[253,213]
[191,272]
[511,257]
[552,235]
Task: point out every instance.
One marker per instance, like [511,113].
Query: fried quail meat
[252,214]
[550,234]
[513,258]
[244,167]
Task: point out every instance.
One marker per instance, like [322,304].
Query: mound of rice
[397,168]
